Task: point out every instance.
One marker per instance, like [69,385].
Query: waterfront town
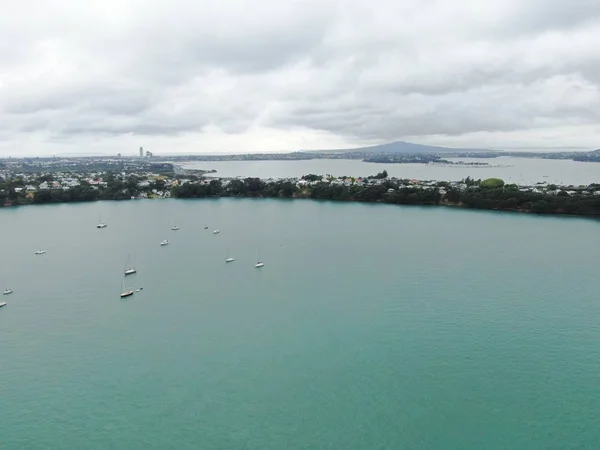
[58,180]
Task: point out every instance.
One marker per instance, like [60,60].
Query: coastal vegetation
[491,193]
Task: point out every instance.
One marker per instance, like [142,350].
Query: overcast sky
[108,76]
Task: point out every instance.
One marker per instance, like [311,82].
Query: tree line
[492,194]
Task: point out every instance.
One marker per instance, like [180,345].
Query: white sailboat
[259,263]
[125,292]
[100,223]
[2,304]
[40,252]
[174,227]
[165,242]
[7,291]
[206,225]
[228,258]
[217,231]
[128,269]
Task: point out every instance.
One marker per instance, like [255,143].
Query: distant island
[23,183]
[392,153]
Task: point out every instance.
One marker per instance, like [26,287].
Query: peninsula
[25,183]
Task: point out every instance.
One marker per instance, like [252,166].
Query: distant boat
[2,304]
[259,263]
[205,225]
[217,231]
[7,291]
[125,292]
[40,252]
[139,289]
[129,270]
[165,242]
[100,223]
[228,258]
[174,228]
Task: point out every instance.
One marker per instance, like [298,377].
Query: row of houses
[67,181]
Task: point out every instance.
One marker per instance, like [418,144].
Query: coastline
[493,194]
[591,215]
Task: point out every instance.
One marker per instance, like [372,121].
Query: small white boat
[128,269]
[100,223]
[40,252]
[217,231]
[125,292]
[165,242]
[139,289]
[2,304]
[259,263]
[229,260]
[174,228]
[7,291]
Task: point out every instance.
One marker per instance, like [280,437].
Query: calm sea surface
[370,327]
[512,170]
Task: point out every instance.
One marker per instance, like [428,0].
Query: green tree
[492,183]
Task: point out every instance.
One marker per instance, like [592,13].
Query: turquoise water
[370,327]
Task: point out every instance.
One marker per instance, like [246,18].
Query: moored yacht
[40,252]
[165,242]
[2,304]
[259,264]
[7,291]
[100,223]
[125,292]
[217,231]
[128,269]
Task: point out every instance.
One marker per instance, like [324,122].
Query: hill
[401,147]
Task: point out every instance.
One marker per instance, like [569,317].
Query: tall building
[141,152]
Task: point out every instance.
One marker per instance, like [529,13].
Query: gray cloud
[276,75]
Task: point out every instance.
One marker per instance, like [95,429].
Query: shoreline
[458,206]
[488,194]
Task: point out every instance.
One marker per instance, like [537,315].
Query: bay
[370,326]
[512,170]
